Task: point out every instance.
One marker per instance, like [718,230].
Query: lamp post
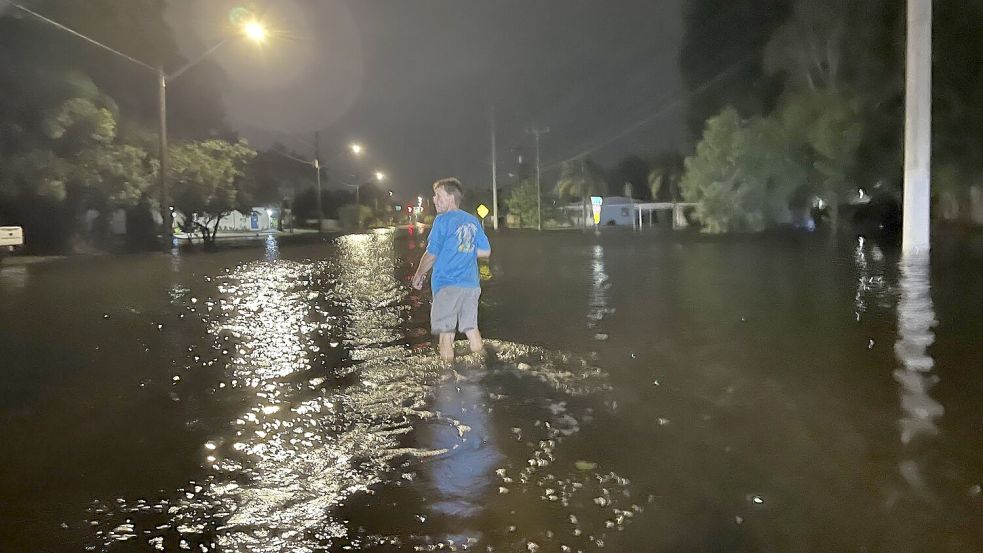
[379,177]
[253,30]
[355,148]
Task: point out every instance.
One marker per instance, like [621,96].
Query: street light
[253,30]
[380,176]
[356,148]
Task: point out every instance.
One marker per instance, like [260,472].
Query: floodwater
[644,392]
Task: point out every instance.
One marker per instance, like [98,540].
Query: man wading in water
[455,243]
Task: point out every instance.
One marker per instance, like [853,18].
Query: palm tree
[579,180]
[667,171]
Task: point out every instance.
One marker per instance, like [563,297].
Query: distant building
[616,211]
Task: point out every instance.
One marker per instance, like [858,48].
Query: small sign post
[596,206]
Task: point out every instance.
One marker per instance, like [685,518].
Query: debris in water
[870,344]
[585,465]
[600,337]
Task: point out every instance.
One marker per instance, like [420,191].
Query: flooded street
[643,392]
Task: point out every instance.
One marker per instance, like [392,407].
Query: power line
[83,37]
[655,115]
[583,93]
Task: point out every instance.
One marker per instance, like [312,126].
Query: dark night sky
[413,79]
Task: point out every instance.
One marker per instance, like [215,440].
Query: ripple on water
[311,435]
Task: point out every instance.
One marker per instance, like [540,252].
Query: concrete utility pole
[539,192]
[918,128]
[494,161]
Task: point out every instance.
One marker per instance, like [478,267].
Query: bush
[354,216]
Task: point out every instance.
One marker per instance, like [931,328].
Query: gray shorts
[454,308]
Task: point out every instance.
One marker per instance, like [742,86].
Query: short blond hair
[451,186]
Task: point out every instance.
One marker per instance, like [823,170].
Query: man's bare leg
[474,339]
[445,346]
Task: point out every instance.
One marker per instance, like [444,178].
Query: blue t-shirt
[455,238]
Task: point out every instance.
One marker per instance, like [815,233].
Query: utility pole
[583,191]
[317,172]
[539,193]
[494,160]
[918,128]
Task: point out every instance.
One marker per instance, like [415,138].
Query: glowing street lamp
[356,148]
[255,31]
[380,176]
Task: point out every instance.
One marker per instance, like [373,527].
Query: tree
[828,124]
[632,171]
[742,175]
[195,103]
[63,157]
[957,86]
[720,57]
[579,180]
[279,177]
[208,180]
[523,202]
[664,177]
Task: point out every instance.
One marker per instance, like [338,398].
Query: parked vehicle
[11,238]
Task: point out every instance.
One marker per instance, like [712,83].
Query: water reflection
[328,403]
[371,296]
[272,248]
[598,300]
[13,277]
[916,318]
[462,477]
[308,435]
[871,286]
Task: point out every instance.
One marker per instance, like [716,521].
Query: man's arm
[484,247]
[426,263]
